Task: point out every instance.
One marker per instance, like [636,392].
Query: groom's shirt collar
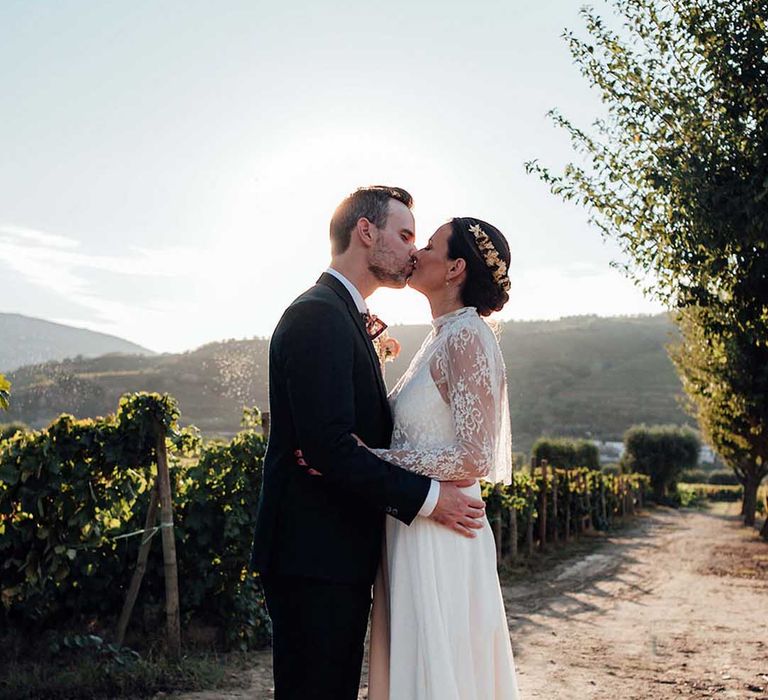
[362,307]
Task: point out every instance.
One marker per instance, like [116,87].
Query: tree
[677,174]
[662,452]
[725,378]
[5,393]
[587,454]
[566,454]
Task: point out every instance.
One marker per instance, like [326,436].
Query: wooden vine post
[567,493]
[623,497]
[529,526]
[603,511]
[265,424]
[543,507]
[512,533]
[512,515]
[160,495]
[554,505]
[498,488]
[141,567]
[617,509]
[172,618]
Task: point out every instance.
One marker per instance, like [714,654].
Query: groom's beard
[388,277]
[385,266]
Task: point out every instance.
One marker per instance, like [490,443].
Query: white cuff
[431,500]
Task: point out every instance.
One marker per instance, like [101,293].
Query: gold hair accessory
[491,256]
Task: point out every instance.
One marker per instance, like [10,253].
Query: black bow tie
[374,326]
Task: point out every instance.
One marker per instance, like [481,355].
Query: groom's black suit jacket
[324,385]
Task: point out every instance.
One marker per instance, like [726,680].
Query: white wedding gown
[438,627]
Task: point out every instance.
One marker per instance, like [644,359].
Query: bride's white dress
[439,629]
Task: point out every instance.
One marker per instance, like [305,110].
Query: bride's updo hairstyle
[486,253]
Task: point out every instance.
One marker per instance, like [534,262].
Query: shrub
[216,522]
[693,476]
[710,492]
[565,453]
[662,452]
[8,430]
[73,499]
[66,495]
[689,498]
[723,476]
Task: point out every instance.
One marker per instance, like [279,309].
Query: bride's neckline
[440,321]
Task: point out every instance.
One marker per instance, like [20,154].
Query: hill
[581,376]
[212,384]
[25,340]
[584,376]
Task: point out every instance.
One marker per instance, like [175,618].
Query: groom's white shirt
[434,489]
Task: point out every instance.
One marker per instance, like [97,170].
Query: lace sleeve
[465,375]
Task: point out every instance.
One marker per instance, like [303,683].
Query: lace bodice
[450,408]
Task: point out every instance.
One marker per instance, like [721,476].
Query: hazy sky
[168,168]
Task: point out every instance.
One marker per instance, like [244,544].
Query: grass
[92,678]
[694,495]
[30,670]
[697,495]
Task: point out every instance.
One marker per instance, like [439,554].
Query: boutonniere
[387,348]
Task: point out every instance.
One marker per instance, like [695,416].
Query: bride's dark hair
[480,289]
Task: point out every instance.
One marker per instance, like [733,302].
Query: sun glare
[277,244]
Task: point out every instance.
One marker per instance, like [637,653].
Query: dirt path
[654,614]
[673,607]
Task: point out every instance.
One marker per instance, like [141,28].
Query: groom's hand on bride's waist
[457,511]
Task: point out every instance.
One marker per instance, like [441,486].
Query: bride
[439,629]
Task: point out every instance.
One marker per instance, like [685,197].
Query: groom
[318,534]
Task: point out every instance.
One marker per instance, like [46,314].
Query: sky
[169,169]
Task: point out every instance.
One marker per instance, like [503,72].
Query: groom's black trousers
[318,636]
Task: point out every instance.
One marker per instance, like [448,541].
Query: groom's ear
[363,231]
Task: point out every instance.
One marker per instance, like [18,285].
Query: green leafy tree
[677,174]
[5,393]
[662,452]
[587,454]
[725,377]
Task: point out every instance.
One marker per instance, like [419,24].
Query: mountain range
[25,340]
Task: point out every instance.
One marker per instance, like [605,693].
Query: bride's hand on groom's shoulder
[456,510]
[299,455]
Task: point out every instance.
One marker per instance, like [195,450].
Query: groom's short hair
[370,203]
